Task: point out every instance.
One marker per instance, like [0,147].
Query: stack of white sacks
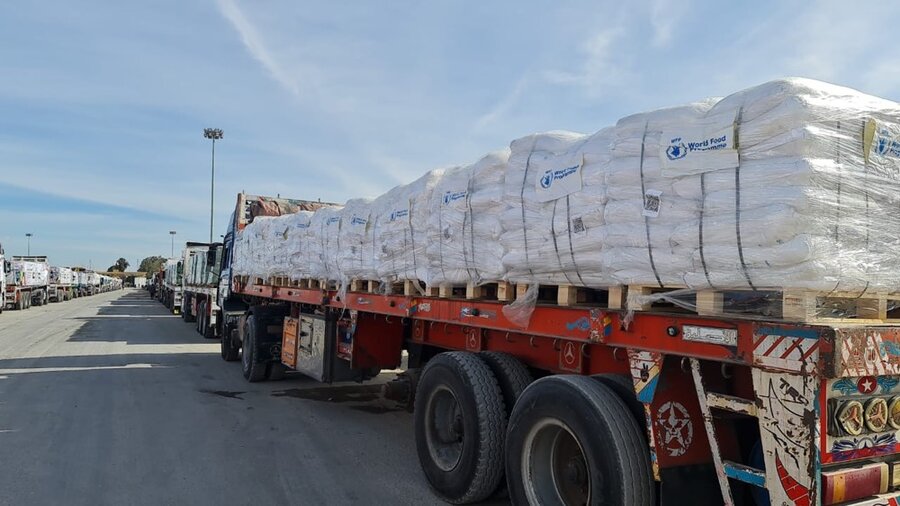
[62,276]
[27,273]
[791,184]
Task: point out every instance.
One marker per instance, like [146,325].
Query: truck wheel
[511,374]
[572,440]
[623,386]
[460,421]
[199,319]
[231,352]
[254,370]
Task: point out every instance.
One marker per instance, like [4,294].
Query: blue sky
[102,104]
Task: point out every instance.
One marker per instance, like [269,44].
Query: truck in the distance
[171,287]
[62,284]
[27,281]
[3,269]
[201,263]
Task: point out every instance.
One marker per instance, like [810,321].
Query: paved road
[111,400]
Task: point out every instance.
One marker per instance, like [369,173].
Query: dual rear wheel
[561,440]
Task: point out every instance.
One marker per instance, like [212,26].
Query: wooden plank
[710,302]
[567,295]
[474,291]
[445,291]
[872,308]
[505,291]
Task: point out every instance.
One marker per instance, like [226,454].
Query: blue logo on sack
[547,179]
[555,175]
[451,196]
[399,213]
[887,146]
[676,151]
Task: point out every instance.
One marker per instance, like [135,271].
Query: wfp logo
[676,151]
[547,179]
[452,196]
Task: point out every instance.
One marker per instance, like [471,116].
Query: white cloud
[600,66]
[664,17]
[257,48]
[505,104]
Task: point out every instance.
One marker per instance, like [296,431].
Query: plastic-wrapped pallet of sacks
[556,194]
[26,273]
[324,228]
[402,230]
[793,184]
[354,255]
[464,226]
[262,248]
[61,276]
[299,245]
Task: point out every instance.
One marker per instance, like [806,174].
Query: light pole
[172,233]
[213,134]
[28,239]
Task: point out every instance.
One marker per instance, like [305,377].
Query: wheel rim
[555,470]
[444,428]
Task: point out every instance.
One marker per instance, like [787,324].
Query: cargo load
[791,184]
[24,273]
[62,276]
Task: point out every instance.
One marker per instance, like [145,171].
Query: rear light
[850,417]
[876,414]
[855,483]
[894,413]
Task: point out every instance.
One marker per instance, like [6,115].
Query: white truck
[200,279]
[62,284]
[27,281]
[171,295]
[2,280]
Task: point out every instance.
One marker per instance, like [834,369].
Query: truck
[62,284]
[27,282]
[3,269]
[171,287]
[600,402]
[200,280]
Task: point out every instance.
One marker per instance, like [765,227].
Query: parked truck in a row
[588,404]
[27,281]
[200,280]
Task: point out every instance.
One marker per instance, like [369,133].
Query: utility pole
[172,233]
[28,239]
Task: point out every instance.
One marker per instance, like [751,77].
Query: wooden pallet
[364,285]
[500,291]
[612,297]
[806,306]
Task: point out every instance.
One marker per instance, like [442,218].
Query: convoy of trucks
[27,281]
[603,400]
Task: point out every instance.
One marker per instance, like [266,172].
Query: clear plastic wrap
[354,252]
[27,273]
[402,229]
[61,276]
[555,194]
[464,223]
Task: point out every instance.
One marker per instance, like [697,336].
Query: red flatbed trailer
[628,408]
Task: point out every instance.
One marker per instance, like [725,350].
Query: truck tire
[623,386]
[253,369]
[512,376]
[231,351]
[199,318]
[572,440]
[460,421]
[186,312]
